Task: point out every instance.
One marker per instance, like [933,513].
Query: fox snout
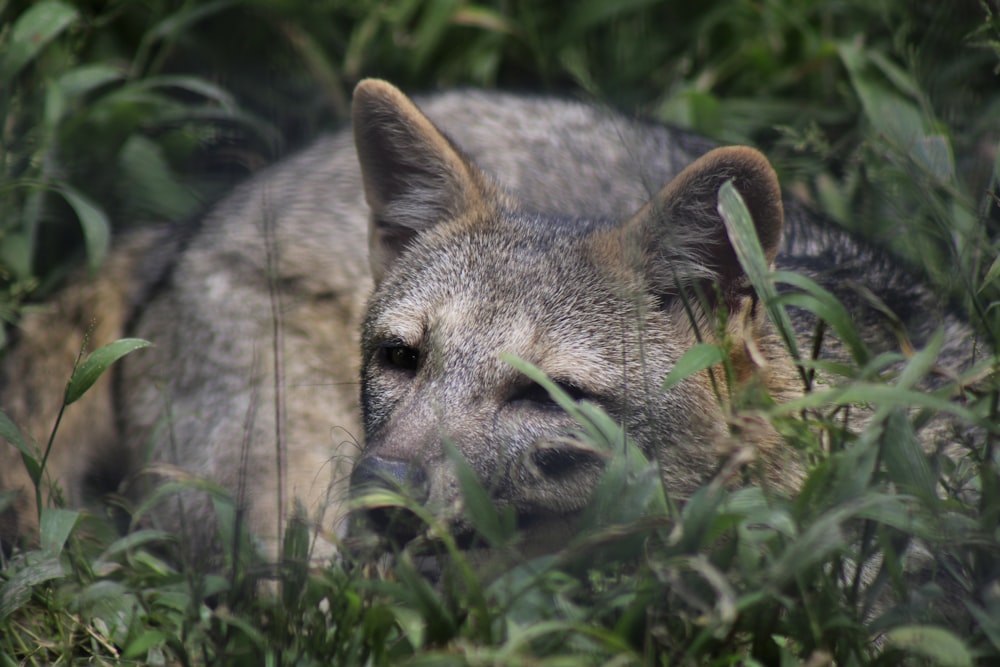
[406,478]
[543,482]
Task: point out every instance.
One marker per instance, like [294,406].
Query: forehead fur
[527,260]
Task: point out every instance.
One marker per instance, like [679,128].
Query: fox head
[464,275]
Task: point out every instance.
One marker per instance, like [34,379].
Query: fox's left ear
[413,176]
[682,237]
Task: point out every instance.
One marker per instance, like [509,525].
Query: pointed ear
[413,176]
[683,237]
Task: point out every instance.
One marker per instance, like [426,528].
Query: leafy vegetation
[882,114]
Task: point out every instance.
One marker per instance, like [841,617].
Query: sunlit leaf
[698,358]
[936,644]
[743,237]
[32,32]
[96,363]
[55,526]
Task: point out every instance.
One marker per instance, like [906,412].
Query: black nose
[407,478]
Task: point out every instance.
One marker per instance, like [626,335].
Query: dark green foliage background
[883,114]
[196,94]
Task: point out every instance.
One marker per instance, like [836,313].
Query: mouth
[391,530]
[429,557]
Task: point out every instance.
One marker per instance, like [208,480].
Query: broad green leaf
[629,489]
[933,153]
[900,78]
[30,458]
[434,21]
[882,395]
[690,107]
[145,640]
[421,595]
[154,187]
[989,624]
[16,591]
[513,651]
[94,223]
[227,525]
[495,524]
[940,646]
[53,111]
[827,307]
[892,115]
[698,358]
[756,511]
[132,541]
[55,527]
[87,373]
[33,30]
[411,624]
[839,478]
[186,17]
[895,117]
[485,18]
[824,537]
[173,25]
[586,15]
[12,434]
[86,78]
[921,363]
[189,84]
[697,516]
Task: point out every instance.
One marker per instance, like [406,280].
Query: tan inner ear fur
[383,117]
[754,178]
[413,176]
[678,239]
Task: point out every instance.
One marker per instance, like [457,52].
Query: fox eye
[400,356]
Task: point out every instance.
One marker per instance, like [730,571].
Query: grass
[881,114]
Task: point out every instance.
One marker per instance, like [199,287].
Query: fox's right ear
[413,176]
[681,235]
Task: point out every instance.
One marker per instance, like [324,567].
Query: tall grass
[882,114]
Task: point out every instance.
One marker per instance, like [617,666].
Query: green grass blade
[495,524]
[698,358]
[87,373]
[743,237]
[94,223]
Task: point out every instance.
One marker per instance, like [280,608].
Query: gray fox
[343,314]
